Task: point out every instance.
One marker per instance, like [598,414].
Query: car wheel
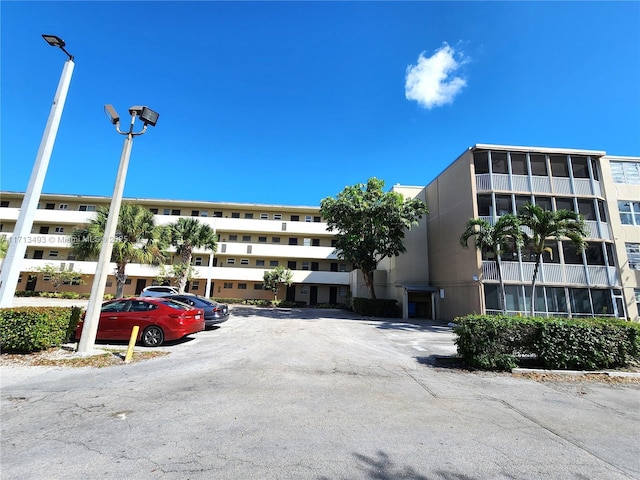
[152,337]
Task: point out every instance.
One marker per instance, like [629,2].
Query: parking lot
[317,394]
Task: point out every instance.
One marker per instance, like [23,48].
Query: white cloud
[431,82]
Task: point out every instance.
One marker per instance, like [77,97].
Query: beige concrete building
[436,277]
[252,239]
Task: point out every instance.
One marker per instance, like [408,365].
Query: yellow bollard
[132,342]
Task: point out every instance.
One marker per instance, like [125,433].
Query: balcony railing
[486,182]
[553,273]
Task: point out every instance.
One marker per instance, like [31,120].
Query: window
[87,208]
[197,261]
[305,265]
[481,161]
[543,202]
[275,239]
[233,238]
[499,162]
[273,263]
[293,241]
[228,285]
[53,253]
[235,214]
[244,261]
[342,291]
[559,166]
[166,211]
[258,286]
[242,286]
[316,219]
[248,215]
[307,218]
[304,290]
[44,230]
[246,238]
[4,203]
[626,172]
[587,209]
[217,214]
[315,266]
[564,204]
[262,239]
[59,229]
[594,254]
[277,216]
[633,255]
[342,267]
[315,242]
[259,263]
[579,167]
[334,242]
[503,204]
[195,213]
[154,211]
[284,226]
[63,206]
[49,206]
[264,216]
[295,218]
[306,242]
[195,285]
[231,261]
[175,211]
[629,212]
[204,213]
[636,291]
[223,249]
[519,163]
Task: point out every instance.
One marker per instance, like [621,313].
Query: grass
[66,357]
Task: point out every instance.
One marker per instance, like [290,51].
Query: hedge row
[499,342]
[31,329]
[376,308]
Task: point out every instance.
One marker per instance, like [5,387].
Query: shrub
[31,329]
[376,308]
[499,342]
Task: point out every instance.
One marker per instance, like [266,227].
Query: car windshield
[175,304]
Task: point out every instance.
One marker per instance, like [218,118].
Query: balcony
[582,187]
[553,274]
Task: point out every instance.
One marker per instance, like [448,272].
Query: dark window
[246,238]
[579,167]
[571,256]
[175,211]
[195,213]
[594,169]
[154,211]
[235,214]
[44,230]
[248,215]
[291,265]
[315,266]
[602,208]
[481,161]
[503,204]
[38,254]
[316,219]
[594,254]
[484,205]
[50,206]
[334,242]
[587,209]
[559,166]
[519,164]
[262,239]
[521,200]
[4,203]
[499,162]
[295,218]
[217,214]
[334,267]
[275,239]
[315,242]
[538,164]
[293,241]
[564,204]
[544,202]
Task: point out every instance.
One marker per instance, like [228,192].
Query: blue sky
[289,102]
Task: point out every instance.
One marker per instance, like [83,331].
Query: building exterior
[252,239]
[487,181]
[436,277]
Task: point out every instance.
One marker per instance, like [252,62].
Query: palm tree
[138,240]
[187,234]
[497,238]
[546,224]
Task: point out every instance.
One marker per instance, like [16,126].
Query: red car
[159,320]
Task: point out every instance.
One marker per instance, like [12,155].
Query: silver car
[159,291]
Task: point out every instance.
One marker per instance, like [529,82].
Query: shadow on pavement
[381,467]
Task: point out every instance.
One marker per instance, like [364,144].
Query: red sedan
[159,320]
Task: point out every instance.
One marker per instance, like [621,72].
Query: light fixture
[112,114]
[56,41]
[149,117]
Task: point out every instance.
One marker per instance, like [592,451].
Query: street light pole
[92,316]
[18,241]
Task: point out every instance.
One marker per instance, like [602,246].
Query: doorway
[140,284]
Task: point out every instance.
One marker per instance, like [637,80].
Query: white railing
[582,186]
[483,182]
[562,185]
[520,183]
[501,182]
[540,185]
[575,274]
[552,274]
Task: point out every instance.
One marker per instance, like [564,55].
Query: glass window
[484,205]
[195,213]
[521,200]
[244,261]
[264,216]
[242,286]
[491,296]
[629,212]
[579,300]
[571,256]
[63,206]
[559,166]
[87,208]
[481,161]
[262,239]
[538,164]
[306,242]
[231,261]
[594,254]
[275,239]
[235,214]
[259,263]
[565,204]
[626,172]
[587,209]
[217,214]
[307,218]
[636,291]
[579,167]
[499,162]
[154,211]
[602,303]
[519,164]
[273,263]
[246,238]
[277,216]
[633,255]
[556,300]
[543,202]
[197,261]
[175,212]
[233,238]
[503,204]
[228,285]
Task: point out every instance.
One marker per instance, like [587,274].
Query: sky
[286,103]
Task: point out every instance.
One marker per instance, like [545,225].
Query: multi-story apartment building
[436,277]
[252,239]
[487,181]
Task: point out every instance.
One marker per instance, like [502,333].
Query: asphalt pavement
[312,394]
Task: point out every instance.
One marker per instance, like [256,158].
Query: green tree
[187,234]
[544,224]
[171,274]
[4,246]
[370,224]
[276,277]
[138,240]
[504,236]
[58,276]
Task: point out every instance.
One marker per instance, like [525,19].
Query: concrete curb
[575,373]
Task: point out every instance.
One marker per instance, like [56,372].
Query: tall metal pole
[18,241]
[92,317]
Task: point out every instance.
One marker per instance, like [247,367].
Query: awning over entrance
[417,300]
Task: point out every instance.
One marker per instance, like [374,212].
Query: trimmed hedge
[376,308]
[31,329]
[499,342]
